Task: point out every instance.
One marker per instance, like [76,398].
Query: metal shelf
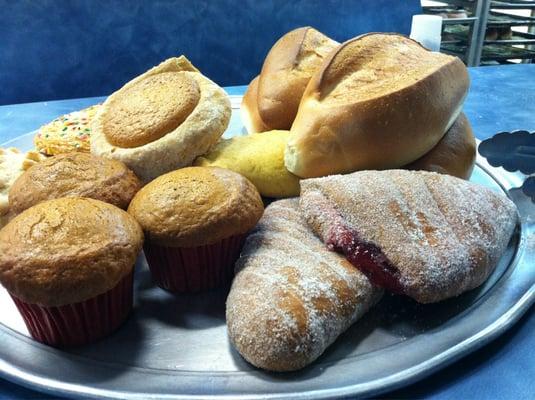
[502,20]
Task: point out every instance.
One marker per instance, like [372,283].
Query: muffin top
[196,206]
[74,175]
[67,250]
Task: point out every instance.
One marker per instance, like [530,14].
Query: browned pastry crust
[67,250]
[154,106]
[378,101]
[74,175]
[285,73]
[441,235]
[196,206]
[455,154]
[291,297]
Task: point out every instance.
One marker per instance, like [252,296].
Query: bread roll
[291,297]
[272,101]
[379,101]
[455,154]
[426,235]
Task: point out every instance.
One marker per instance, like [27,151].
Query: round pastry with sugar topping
[161,120]
[195,220]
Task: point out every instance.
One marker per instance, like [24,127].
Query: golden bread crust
[454,155]
[249,109]
[178,148]
[291,296]
[287,69]
[260,158]
[67,250]
[196,206]
[379,101]
[74,175]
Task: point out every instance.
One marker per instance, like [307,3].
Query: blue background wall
[54,49]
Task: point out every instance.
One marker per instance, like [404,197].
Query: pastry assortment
[344,129]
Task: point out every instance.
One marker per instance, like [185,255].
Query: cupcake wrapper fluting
[193,269]
[79,323]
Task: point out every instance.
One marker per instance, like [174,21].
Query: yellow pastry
[260,158]
[12,164]
[68,133]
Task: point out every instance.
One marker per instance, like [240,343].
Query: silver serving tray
[177,346]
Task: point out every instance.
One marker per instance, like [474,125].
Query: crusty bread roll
[291,297]
[427,235]
[455,154]
[272,100]
[379,101]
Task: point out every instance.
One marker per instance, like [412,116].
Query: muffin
[161,120]
[260,158]
[67,133]
[12,164]
[74,175]
[195,221]
[68,265]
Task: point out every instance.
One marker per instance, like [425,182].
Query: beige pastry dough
[137,125]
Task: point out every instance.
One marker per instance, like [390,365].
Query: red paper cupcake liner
[79,323]
[194,269]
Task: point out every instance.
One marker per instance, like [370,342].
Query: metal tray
[177,347]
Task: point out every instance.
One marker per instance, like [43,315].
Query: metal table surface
[500,99]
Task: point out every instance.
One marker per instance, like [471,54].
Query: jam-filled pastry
[291,297]
[418,233]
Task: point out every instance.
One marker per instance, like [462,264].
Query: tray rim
[374,387]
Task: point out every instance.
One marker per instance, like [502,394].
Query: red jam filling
[366,256]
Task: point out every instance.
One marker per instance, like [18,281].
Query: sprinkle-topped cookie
[70,132]
[12,164]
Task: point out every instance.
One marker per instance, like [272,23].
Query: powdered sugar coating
[444,234]
[291,297]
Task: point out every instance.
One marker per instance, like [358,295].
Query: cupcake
[74,175]
[68,265]
[195,221]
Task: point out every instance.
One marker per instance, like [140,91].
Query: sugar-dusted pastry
[272,98]
[74,175]
[419,233]
[12,164]
[67,133]
[161,120]
[258,157]
[378,101]
[68,265]
[292,297]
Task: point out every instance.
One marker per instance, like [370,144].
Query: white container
[427,30]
